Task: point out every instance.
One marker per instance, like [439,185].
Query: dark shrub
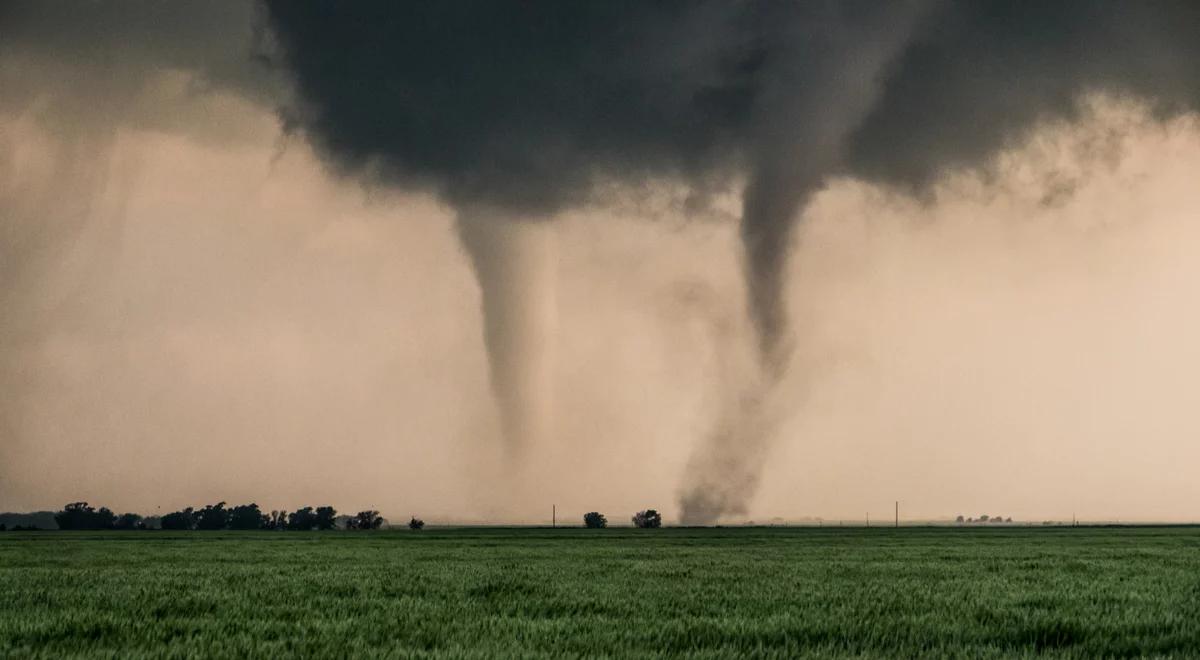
[212,517]
[416,523]
[325,517]
[78,515]
[595,520]
[302,519]
[248,516]
[179,520]
[365,520]
[648,519]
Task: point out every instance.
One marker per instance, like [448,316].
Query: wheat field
[476,592]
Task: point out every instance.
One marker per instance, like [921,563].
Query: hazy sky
[208,294]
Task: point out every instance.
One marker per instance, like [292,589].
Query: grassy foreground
[620,592]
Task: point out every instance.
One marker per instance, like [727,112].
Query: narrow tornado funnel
[514,262]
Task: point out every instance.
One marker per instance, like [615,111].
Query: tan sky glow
[201,319]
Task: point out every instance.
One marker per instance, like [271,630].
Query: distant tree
[302,520]
[365,520]
[105,518]
[78,515]
[128,521]
[595,520]
[212,517]
[74,515]
[647,519]
[180,520]
[1008,520]
[326,517]
[983,518]
[958,519]
[998,519]
[416,523]
[248,516]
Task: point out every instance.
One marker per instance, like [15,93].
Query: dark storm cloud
[525,104]
[977,74]
[522,104]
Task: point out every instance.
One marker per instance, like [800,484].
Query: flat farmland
[784,592]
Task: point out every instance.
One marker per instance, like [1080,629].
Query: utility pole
[553,515]
[897,514]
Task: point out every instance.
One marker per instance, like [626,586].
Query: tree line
[83,516]
[219,516]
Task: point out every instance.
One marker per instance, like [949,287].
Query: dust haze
[732,262]
[205,322]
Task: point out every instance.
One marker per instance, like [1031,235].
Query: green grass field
[536,592]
